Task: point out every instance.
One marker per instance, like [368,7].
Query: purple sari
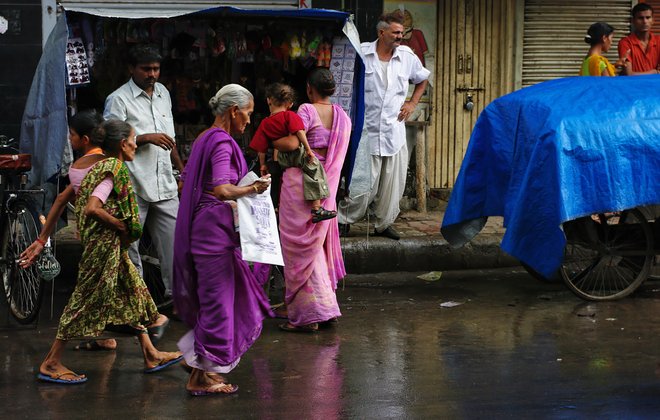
[214,291]
[313,263]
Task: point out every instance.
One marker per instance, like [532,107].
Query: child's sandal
[322,214]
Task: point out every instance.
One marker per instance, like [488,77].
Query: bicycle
[18,229]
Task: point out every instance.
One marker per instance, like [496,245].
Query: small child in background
[274,131]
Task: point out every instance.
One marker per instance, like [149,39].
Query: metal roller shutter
[655,4]
[554,30]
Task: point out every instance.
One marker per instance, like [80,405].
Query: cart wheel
[607,255]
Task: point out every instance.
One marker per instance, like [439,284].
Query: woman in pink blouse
[311,251]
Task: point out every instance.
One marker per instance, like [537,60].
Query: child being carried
[275,130]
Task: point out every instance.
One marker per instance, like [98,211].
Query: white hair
[229,96]
[382,25]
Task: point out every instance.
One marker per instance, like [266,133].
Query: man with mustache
[146,105]
[389,69]
[639,52]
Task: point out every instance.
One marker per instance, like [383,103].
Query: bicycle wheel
[608,255]
[151,273]
[23,287]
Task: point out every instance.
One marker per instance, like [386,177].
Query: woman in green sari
[109,291]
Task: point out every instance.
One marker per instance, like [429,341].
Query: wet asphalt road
[513,348]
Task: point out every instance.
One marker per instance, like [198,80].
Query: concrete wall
[20,49]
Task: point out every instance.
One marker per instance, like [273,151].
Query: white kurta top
[385,93]
[151,170]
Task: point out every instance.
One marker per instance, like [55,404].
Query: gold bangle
[255,189]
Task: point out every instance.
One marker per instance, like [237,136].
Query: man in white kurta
[146,105]
[389,69]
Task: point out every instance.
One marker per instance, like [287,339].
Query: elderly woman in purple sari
[312,253]
[215,292]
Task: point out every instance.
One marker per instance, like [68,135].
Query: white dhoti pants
[388,181]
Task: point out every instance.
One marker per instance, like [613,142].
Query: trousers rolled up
[315,182]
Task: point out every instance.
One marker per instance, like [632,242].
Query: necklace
[94,151]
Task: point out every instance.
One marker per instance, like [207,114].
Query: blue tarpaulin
[554,152]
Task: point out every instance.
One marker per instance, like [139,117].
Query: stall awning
[44,126]
[166,8]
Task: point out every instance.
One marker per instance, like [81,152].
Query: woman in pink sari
[312,252]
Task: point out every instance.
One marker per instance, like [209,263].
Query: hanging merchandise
[342,66]
[77,68]
[204,51]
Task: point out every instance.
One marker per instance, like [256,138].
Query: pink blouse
[102,191]
[317,135]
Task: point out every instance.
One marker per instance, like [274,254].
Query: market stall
[85,59]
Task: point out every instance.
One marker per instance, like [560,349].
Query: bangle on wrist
[41,241]
[255,189]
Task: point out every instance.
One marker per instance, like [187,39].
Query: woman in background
[599,36]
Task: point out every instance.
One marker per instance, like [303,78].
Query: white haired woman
[214,291]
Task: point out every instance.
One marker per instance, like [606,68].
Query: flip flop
[156,333]
[208,391]
[163,365]
[302,329]
[55,378]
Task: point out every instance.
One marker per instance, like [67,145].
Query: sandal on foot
[56,378]
[322,214]
[163,364]
[92,345]
[215,389]
[309,328]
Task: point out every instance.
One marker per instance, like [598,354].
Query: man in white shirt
[146,105]
[389,69]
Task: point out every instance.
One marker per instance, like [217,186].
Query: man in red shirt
[640,51]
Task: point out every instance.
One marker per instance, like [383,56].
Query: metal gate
[554,30]
[474,66]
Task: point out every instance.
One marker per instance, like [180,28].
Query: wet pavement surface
[514,347]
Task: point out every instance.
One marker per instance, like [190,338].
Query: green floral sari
[109,288]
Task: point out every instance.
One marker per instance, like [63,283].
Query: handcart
[573,166]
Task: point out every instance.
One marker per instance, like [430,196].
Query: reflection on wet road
[513,347]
